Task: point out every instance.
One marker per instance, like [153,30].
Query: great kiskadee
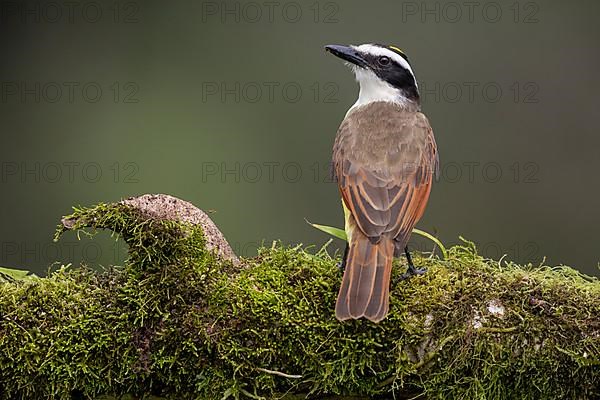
[384,159]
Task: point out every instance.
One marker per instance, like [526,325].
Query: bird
[384,161]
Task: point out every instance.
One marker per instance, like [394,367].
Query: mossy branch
[182,319]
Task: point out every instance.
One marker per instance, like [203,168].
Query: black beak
[347,53]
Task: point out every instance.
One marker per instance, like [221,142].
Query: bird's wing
[384,172]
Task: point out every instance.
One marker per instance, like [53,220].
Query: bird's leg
[412,270]
[342,264]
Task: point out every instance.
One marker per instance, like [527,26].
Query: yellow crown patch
[396,48]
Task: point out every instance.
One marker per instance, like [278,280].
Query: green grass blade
[433,239]
[335,232]
[341,234]
[8,274]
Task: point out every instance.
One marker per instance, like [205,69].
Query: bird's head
[383,73]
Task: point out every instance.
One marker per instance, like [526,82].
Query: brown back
[384,159]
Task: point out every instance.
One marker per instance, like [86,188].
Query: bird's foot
[412,271]
[342,264]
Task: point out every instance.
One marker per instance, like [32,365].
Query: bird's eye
[383,60]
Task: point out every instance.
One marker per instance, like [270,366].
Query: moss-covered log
[181,321]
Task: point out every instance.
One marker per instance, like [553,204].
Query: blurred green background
[234,106]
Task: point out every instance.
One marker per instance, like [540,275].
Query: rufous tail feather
[366,283]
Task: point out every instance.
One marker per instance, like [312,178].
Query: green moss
[177,322]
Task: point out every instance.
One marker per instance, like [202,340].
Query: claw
[412,271]
[342,264]
[411,267]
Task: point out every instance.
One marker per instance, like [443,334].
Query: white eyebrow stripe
[382,51]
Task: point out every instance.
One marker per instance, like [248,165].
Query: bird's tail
[366,283]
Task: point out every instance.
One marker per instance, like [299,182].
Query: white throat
[372,88]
